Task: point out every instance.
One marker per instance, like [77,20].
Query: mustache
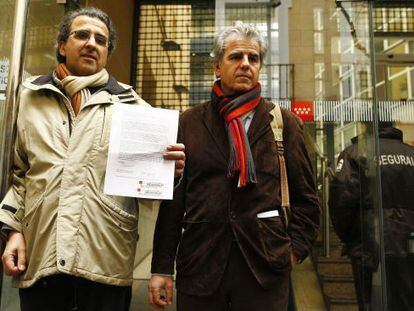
[90,54]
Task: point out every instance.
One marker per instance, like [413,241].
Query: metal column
[7,132]
[378,192]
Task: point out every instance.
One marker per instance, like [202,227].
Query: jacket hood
[113,86]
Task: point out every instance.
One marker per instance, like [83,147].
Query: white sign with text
[4,72]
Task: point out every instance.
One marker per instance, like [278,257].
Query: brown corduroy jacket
[209,212]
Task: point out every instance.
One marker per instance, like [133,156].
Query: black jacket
[352,195]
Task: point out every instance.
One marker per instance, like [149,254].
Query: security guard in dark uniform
[351,204]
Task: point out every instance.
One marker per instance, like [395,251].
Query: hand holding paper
[176,152]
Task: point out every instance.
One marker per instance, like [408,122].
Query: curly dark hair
[66,23]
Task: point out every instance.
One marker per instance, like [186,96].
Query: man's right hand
[157,285]
[14,255]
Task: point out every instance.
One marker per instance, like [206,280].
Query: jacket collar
[391,133]
[216,125]
[112,92]
[261,121]
[385,133]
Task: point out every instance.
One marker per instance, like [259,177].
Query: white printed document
[139,137]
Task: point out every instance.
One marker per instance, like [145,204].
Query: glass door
[344,67]
[39,58]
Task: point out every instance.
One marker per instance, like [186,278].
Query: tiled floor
[308,294]
[9,296]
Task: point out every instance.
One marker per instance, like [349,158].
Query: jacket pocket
[109,236]
[275,242]
[31,209]
[123,208]
[32,215]
[124,219]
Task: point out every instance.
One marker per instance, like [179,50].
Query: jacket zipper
[69,118]
[103,125]
[70,123]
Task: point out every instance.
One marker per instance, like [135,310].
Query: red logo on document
[303,110]
[141,183]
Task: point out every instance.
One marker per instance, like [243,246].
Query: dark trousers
[67,293]
[363,284]
[400,283]
[239,291]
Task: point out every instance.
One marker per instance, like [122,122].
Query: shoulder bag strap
[277,128]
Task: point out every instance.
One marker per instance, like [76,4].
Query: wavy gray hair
[240,30]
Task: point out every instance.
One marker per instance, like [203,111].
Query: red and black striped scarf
[232,108]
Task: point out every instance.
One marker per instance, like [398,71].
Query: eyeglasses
[85,35]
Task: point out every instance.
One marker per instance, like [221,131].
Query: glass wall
[344,67]
[6,24]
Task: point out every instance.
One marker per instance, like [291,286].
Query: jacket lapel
[261,121]
[215,125]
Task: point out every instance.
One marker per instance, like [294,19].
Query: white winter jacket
[57,200]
